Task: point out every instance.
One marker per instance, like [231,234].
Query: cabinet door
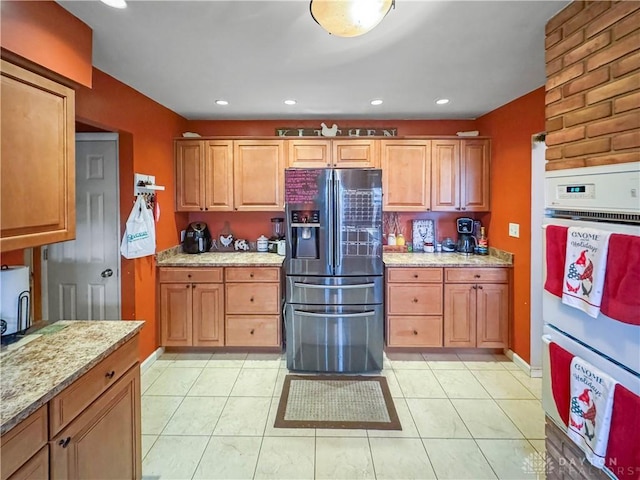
[459,315]
[176,304]
[189,175]
[445,173]
[258,175]
[218,175]
[37,160]
[104,441]
[355,153]
[208,315]
[309,153]
[474,175]
[406,175]
[36,468]
[493,315]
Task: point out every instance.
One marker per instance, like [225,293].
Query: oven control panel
[574,190]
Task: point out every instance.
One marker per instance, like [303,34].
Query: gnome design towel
[584,269]
[591,408]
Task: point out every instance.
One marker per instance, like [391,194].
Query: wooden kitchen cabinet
[37,160]
[104,440]
[258,175]
[204,175]
[460,175]
[414,307]
[20,446]
[191,307]
[406,175]
[36,468]
[333,153]
[476,307]
[253,306]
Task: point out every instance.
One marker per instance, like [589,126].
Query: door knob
[106,273]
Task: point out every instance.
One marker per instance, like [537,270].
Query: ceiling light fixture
[222,102]
[349,18]
[442,101]
[115,3]
[376,102]
[290,102]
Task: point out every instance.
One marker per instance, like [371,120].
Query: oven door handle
[302,313]
[334,287]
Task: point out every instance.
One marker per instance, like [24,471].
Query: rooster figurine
[329,132]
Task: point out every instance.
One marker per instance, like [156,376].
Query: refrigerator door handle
[330,223]
[334,287]
[302,313]
[338,220]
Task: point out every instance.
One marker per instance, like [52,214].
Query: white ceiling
[255,54]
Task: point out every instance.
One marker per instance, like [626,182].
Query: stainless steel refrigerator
[334,312]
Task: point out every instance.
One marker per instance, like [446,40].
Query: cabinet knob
[415,275]
[463,208]
[415,332]
[475,287]
[206,208]
[193,285]
[251,274]
[415,300]
[200,208]
[477,275]
[428,209]
[188,275]
[251,299]
[251,332]
[64,442]
[480,287]
[110,374]
[188,286]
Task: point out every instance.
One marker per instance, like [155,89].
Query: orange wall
[48,35]
[510,128]
[147,130]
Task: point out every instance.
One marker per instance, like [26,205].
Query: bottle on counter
[483,243]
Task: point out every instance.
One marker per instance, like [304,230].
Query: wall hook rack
[145,184]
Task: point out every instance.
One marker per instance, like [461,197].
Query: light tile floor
[210,416]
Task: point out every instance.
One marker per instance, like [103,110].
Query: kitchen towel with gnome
[591,409]
[584,269]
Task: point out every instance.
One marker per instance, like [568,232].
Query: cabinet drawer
[413,275]
[476,275]
[408,299]
[252,330]
[248,274]
[22,442]
[189,275]
[68,404]
[251,298]
[415,331]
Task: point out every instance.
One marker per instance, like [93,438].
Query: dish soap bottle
[483,243]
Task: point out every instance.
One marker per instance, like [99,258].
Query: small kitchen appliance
[277,234]
[466,240]
[197,239]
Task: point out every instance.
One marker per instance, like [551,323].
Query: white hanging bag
[139,239]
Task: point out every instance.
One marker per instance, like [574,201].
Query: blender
[277,233]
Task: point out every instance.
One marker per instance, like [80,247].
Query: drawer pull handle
[64,443]
[415,275]
[110,374]
[415,332]
[251,275]
[251,332]
[251,299]
[415,300]
[477,275]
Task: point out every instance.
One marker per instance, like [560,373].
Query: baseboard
[524,366]
[150,359]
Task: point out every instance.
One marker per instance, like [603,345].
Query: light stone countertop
[38,368]
[421,259]
[222,259]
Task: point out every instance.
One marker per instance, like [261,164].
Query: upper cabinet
[460,175]
[258,175]
[334,153]
[406,175]
[204,175]
[37,160]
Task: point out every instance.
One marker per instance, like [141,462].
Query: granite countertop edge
[23,413]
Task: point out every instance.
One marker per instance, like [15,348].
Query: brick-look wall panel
[593,84]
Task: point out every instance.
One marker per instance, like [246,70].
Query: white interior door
[83,275]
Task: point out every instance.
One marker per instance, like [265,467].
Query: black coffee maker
[466,240]
[197,238]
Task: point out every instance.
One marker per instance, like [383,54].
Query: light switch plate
[514,230]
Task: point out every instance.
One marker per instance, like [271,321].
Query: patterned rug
[336,401]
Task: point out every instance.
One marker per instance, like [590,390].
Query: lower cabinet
[91,429]
[212,307]
[476,314]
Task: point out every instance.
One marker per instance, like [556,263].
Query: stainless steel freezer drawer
[347,339]
[334,290]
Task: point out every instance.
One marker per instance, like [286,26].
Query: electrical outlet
[514,230]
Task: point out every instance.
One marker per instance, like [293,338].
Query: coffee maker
[466,240]
[305,226]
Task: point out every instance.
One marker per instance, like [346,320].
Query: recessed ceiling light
[442,101]
[222,102]
[290,102]
[376,102]
[115,3]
